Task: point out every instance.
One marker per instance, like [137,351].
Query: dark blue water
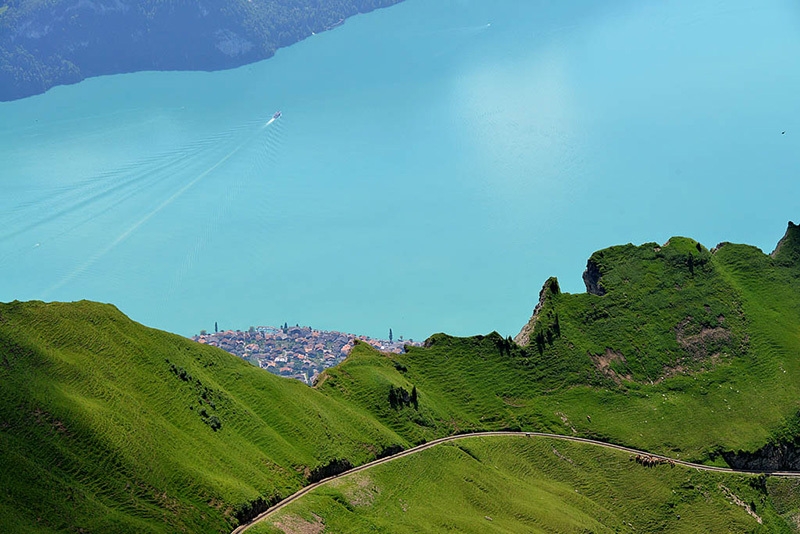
[435,163]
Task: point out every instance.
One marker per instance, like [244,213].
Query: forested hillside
[51,42]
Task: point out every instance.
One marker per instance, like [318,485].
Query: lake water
[436,161]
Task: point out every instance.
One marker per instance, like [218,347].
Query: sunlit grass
[736,391]
[107,425]
[103,429]
[502,484]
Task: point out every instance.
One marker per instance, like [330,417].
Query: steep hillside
[109,426]
[787,252]
[54,42]
[675,348]
[520,484]
[106,425]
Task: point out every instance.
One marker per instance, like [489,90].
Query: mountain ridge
[111,425]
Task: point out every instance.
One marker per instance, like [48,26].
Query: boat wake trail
[260,156]
[160,207]
[275,117]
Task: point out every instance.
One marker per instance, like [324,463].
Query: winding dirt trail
[439,441]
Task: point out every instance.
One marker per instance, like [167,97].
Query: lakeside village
[298,352]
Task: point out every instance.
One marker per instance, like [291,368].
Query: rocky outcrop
[781,456]
[550,287]
[591,277]
[787,251]
[704,342]
[332,468]
[603,363]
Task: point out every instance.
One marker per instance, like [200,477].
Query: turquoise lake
[436,161]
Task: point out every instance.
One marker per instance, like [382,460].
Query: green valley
[675,349]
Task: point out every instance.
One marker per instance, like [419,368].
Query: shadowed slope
[107,425]
[112,426]
[43,44]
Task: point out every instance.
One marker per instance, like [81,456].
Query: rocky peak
[591,277]
[550,287]
[787,251]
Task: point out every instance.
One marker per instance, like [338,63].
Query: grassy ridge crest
[677,349]
[120,426]
[107,425]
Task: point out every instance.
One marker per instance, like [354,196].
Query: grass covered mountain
[53,42]
[677,349]
[106,425]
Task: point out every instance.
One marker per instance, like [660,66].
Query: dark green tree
[390,335]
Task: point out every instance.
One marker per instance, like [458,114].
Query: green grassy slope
[687,352]
[109,426]
[106,425]
[502,484]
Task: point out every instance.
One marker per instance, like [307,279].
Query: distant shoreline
[298,352]
[63,43]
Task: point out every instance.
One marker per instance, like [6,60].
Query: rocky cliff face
[550,287]
[787,252]
[43,44]
[772,457]
[591,278]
